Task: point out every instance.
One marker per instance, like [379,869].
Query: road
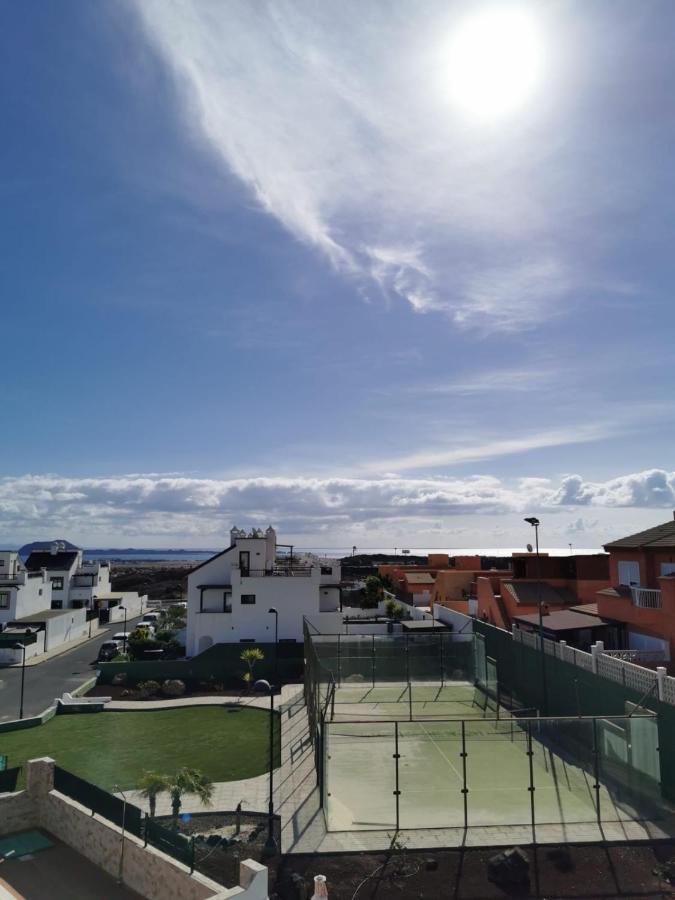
[52,677]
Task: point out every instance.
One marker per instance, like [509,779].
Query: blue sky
[259,265]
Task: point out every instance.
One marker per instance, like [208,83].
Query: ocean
[131,555]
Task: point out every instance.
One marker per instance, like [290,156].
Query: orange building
[641,594]
[566,582]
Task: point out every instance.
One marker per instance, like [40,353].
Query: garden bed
[218,846]
[588,872]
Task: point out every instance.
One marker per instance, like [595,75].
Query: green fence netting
[98,801]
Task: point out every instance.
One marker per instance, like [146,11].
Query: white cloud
[199,511]
[337,119]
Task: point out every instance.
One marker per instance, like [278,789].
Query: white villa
[49,601]
[230,595]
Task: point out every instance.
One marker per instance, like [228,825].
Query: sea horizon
[131,554]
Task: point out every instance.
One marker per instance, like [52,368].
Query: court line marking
[446,758]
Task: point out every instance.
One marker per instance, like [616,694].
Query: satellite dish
[529,548]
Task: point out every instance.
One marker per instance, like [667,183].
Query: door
[244,562]
[629,573]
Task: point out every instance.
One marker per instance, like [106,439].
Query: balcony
[645,598]
[278,572]
[7,580]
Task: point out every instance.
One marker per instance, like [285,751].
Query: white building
[74,582]
[231,594]
[22,593]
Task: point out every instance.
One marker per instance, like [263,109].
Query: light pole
[272,610]
[23,674]
[120,869]
[534,522]
[270,848]
[125,626]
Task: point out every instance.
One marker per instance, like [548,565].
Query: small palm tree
[188,781]
[151,785]
[251,656]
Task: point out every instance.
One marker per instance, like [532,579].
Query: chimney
[54,549]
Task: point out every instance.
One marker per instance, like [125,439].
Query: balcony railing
[277,571]
[19,578]
[646,598]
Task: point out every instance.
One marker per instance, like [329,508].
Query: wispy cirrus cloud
[337,119]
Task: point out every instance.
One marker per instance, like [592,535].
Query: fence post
[596,650]
[530,754]
[397,791]
[372,660]
[339,661]
[465,790]
[192,854]
[562,645]
[145,830]
[660,680]
[596,770]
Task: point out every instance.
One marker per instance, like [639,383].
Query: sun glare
[493,62]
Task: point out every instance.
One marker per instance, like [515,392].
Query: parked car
[151,617]
[147,627]
[122,637]
[109,650]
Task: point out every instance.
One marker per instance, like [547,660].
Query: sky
[379,274]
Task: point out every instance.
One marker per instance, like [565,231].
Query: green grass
[108,748]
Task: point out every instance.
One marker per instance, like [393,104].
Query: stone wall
[148,871]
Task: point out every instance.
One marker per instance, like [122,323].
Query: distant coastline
[134,554]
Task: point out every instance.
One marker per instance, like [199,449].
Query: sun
[494,61]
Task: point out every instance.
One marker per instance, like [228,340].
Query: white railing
[646,598]
[644,656]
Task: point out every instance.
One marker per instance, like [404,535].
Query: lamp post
[270,848]
[120,868]
[275,612]
[18,646]
[534,522]
[125,626]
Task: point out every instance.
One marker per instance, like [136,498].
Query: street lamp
[125,626]
[120,868]
[270,848]
[534,522]
[18,646]
[275,612]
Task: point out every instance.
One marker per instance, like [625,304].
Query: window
[287,641]
[247,640]
[668,568]
[326,570]
[57,582]
[227,602]
[247,599]
[4,599]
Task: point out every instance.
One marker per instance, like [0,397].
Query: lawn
[108,748]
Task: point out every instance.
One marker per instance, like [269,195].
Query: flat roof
[45,614]
[562,620]
[424,625]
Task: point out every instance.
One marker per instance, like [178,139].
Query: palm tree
[188,781]
[251,656]
[151,785]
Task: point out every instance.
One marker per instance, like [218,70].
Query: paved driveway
[52,677]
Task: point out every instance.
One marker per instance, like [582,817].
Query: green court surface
[28,842]
[356,702]
[115,748]
[478,766]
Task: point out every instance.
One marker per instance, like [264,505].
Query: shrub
[119,678]
[148,688]
[173,687]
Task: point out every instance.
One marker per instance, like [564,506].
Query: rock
[509,867]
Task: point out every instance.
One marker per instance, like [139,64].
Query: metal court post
[397,791]
[596,768]
[465,789]
[531,787]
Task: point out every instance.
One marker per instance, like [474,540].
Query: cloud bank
[199,511]
[337,118]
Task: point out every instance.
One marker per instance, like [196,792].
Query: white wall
[31,595]
[68,627]
[9,656]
